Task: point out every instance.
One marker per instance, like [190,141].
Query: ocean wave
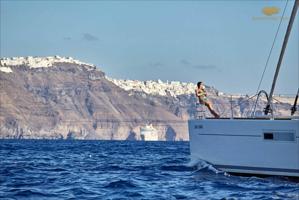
[202,165]
[121,184]
[122,170]
[178,168]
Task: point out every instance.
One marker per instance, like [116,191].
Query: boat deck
[255,118]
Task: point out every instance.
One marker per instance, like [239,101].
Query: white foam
[201,164]
[192,163]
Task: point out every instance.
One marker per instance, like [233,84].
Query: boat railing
[256,101]
[253,109]
[200,111]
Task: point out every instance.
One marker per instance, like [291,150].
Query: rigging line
[266,65]
[279,101]
[240,103]
[273,43]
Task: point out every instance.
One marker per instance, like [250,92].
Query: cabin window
[284,136]
[198,126]
[268,136]
[279,136]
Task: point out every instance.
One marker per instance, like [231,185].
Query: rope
[238,105]
[243,101]
[278,100]
[266,65]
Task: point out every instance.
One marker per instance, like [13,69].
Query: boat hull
[149,136]
[261,146]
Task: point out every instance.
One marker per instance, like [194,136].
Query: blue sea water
[71,169]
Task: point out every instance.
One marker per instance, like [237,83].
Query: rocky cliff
[62,98]
[181,99]
[56,97]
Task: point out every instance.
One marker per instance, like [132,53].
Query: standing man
[201,93]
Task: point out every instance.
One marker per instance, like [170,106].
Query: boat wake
[202,165]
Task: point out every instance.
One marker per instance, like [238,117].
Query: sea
[79,169]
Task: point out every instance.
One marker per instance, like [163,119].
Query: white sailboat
[265,145]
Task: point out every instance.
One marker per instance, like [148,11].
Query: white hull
[149,136]
[254,146]
[149,133]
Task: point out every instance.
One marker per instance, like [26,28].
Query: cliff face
[61,98]
[181,100]
[71,100]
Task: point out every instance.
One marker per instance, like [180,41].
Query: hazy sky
[223,43]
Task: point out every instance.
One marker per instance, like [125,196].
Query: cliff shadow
[170,134]
[132,136]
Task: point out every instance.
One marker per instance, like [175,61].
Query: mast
[294,109]
[285,41]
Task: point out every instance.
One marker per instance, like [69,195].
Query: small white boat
[149,133]
[266,146]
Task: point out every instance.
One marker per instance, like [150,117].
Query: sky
[223,43]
